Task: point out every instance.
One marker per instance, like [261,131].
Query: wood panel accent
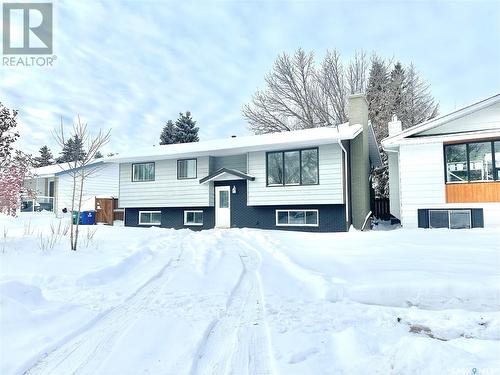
[473,192]
[104,208]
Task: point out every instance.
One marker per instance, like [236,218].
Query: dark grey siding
[331,216]
[238,162]
[477,217]
[171,217]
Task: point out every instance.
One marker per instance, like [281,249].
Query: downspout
[346,198]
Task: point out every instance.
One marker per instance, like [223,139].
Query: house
[311,180]
[53,187]
[445,172]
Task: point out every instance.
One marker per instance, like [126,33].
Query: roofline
[193,149]
[443,119]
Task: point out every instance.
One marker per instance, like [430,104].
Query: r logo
[27,28]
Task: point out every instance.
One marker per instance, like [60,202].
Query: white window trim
[191,224]
[149,212]
[296,225]
[449,211]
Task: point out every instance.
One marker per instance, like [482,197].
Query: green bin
[75,217]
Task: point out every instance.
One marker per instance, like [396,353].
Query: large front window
[472,161]
[186,169]
[296,167]
[143,172]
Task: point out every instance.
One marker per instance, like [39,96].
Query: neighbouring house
[445,172]
[53,187]
[311,180]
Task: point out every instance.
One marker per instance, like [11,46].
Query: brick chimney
[359,161]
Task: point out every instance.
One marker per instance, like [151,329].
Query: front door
[222,206]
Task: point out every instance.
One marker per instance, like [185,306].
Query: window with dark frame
[186,169]
[472,161]
[292,167]
[143,172]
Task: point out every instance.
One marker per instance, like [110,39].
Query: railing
[37,204]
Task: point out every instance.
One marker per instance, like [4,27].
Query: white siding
[329,190]
[166,190]
[422,185]
[422,179]
[104,182]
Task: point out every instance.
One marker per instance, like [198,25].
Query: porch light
[234,189]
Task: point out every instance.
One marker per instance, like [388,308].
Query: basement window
[452,219]
[149,217]
[297,218]
[193,217]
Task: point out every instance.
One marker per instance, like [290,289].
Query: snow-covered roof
[235,145]
[56,169]
[424,129]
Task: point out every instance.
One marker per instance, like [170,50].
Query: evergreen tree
[186,130]
[168,135]
[98,155]
[376,95]
[45,157]
[72,150]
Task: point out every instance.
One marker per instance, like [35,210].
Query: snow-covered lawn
[158,301]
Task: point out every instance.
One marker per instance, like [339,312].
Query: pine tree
[376,95]
[186,130]
[72,150]
[45,157]
[168,135]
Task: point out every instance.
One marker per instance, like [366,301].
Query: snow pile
[136,300]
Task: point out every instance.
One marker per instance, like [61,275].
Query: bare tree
[300,95]
[78,168]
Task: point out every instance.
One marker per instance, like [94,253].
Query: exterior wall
[423,185]
[39,185]
[359,161]
[394,198]
[331,217]
[171,217]
[104,182]
[238,162]
[166,190]
[328,191]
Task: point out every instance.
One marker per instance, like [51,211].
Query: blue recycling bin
[87,217]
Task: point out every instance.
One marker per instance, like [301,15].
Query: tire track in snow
[85,353]
[238,342]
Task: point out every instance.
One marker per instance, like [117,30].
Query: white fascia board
[430,124]
[469,136]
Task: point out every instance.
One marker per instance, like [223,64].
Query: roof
[231,146]
[58,169]
[426,126]
[373,151]
[223,171]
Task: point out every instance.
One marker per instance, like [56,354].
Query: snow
[235,145]
[245,301]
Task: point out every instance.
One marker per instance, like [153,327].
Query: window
[149,217]
[186,169]
[193,217]
[143,172]
[223,199]
[473,161]
[456,163]
[497,159]
[275,168]
[297,218]
[480,161]
[453,219]
[296,167]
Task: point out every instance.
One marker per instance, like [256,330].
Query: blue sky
[132,65]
